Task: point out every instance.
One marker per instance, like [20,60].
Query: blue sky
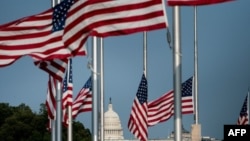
[223,66]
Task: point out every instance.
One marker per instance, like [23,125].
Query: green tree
[5,111]
[17,124]
[80,133]
[21,124]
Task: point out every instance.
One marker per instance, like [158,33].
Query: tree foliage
[21,124]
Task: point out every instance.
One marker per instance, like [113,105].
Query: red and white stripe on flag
[162,109]
[51,98]
[55,68]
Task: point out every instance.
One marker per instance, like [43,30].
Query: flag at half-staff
[162,108]
[137,123]
[83,100]
[196,128]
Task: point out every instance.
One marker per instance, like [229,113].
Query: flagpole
[145,53]
[196,66]
[95,91]
[177,74]
[248,105]
[53,130]
[58,111]
[69,106]
[196,127]
[53,121]
[58,121]
[101,90]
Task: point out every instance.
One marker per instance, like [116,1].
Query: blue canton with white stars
[187,87]
[88,84]
[65,82]
[59,14]
[243,111]
[142,93]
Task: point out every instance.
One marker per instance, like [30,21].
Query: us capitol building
[113,129]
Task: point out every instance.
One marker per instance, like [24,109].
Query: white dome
[112,124]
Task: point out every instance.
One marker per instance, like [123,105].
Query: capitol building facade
[112,125]
[113,130]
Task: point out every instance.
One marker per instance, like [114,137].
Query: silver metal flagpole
[145,53]
[58,127]
[53,130]
[52,121]
[248,99]
[58,112]
[196,128]
[69,107]
[95,90]
[177,73]
[196,66]
[101,90]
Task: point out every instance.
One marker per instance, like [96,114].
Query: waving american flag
[244,115]
[83,100]
[162,109]
[137,123]
[60,32]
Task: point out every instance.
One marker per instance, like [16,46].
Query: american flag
[46,37]
[51,98]
[244,115]
[39,36]
[67,95]
[67,92]
[112,18]
[68,87]
[83,100]
[162,109]
[137,123]
[55,68]
[194,2]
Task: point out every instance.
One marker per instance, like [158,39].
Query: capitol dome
[112,124]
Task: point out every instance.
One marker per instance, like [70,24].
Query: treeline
[19,123]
